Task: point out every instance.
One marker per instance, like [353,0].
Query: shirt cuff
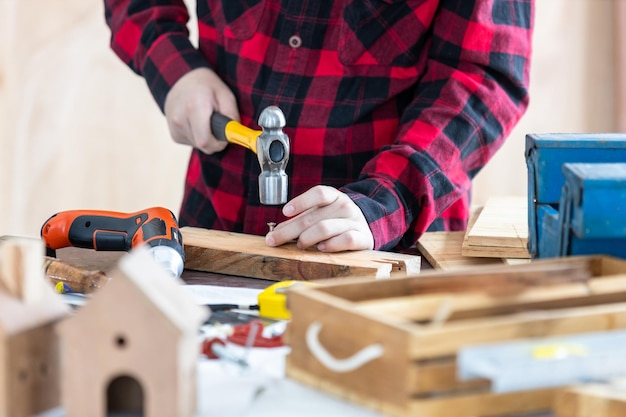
[169,58]
[386,218]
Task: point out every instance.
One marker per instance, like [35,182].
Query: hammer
[270,144]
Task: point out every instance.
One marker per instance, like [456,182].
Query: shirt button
[295,41]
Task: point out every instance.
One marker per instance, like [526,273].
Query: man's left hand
[326,217]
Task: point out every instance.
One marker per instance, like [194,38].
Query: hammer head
[273,154]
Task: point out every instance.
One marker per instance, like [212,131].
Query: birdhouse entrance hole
[125,398]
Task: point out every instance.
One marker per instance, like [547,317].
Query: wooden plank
[461,405]
[430,342]
[247,255]
[421,308]
[593,400]
[500,231]
[495,252]
[442,250]
[485,404]
[494,279]
[384,406]
[440,376]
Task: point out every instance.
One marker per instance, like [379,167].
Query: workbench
[278,397]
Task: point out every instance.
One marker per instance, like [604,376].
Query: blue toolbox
[550,231]
[593,209]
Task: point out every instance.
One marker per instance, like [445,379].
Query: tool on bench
[67,277]
[70,278]
[154,227]
[271,146]
[273,300]
[576,194]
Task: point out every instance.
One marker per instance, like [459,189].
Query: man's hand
[326,217]
[189,105]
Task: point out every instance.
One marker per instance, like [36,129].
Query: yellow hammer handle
[227,129]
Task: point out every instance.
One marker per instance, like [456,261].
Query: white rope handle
[365,355]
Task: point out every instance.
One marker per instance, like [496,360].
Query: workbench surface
[278,398]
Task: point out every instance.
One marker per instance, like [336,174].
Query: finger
[178,123]
[350,240]
[226,104]
[326,204]
[199,120]
[318,196]
[324,230]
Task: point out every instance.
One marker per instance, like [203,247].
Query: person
[391,107]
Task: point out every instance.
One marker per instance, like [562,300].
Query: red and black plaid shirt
[398,103]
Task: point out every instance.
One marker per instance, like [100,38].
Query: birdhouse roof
[27,300]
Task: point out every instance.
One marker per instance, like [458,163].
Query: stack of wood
[497,233]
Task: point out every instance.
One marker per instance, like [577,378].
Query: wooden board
[500,231]
[593,400]
[247,255]
[479,403]
[443,251]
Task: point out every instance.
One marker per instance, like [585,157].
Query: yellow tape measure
[273,300]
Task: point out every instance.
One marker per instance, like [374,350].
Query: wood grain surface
[248,256]
[500,230]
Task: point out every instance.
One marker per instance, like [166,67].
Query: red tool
[155,227]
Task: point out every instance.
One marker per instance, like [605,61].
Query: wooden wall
[619,20]
[572,86]
[80,130]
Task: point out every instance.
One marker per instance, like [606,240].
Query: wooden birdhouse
[29,345]
[133,348]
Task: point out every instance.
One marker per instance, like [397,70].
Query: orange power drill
[155,227]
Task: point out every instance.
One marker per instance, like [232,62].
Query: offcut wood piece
[349,338]
[29,347]
[508,261]
[500,231]
[247,255]
[76,278]
[592,400]
[443,250]
[135,343]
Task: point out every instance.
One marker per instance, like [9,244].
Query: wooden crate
[592,400]
[407,331]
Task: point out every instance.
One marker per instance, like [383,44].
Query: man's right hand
[189,105]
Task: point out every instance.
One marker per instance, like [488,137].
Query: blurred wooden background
[80,130]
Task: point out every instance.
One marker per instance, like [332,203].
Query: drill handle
[89,229]
[226,129]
